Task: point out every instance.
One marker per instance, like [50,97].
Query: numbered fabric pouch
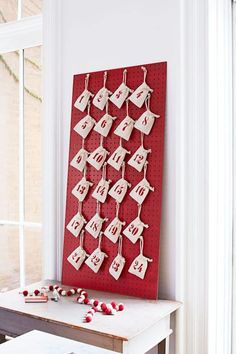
[125,128]
[76,224]
[141,190]
[113,230]
[84,126]
[104,125]
[146,121]
[139,158]
[101,190]
[139,266]
[117,266]
[77,257]
[139,96]
[134,230]
[140,263]
[94,226]
[101,98]
[81,189]
[120,95]
[98,157]
[95,260]
[119,190]
[117,158]
[79,160]
[82,101]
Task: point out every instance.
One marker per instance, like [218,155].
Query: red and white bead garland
[97,306]
[60,291]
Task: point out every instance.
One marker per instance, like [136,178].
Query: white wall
[107,34]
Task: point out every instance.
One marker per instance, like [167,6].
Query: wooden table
[141,326]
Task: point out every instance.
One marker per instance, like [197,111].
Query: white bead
[113,311]
[109,306]
[63,293]
[79,290]
[99,308]
[91,301]
[73,291]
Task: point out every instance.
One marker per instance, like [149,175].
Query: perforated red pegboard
[151,212]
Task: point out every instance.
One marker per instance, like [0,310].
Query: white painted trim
[234,179]
[220,193]
[53,216]
[21,34]
[204,185]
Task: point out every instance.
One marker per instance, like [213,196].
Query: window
[20,144]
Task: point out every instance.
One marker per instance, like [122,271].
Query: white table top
[138,315]
[37,342]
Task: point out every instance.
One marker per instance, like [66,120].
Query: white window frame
[17,36]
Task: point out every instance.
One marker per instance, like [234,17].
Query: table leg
[163,347]
[2,338]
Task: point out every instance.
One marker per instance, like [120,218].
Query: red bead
[56,287]
[36,292]
[88,318]
[25,292]
[108,311]
[113,304]
[95,303]
[85,294]
[69,293]
[95,309]
[121,307]
[60,291]
[86,301]
[50,287]
[103,307]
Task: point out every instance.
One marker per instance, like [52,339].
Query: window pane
[33,254]
[31,7]
[9,142]
[8,10]
[9,257]
[33,135]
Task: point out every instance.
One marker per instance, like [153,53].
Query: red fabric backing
[151,212]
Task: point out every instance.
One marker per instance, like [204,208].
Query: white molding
[220,194]
[204,218]
[53,207]
[21,34]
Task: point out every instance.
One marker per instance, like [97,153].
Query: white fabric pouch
[117,266]
[84,126]
[119,190]
[76,224]
[82,101]
[95,260]
[94,225]
[79,160]
[134,230]
[125,128]
[81,189]
[141,190]
[98,157]
[139,158]
[104,125]
[101,98]
[146,121]
[77,257]
[113,230]
[139,266]
[117,158]
[101,190]
[139,96]
[120,95]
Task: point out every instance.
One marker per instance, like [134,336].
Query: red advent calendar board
[114,187]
